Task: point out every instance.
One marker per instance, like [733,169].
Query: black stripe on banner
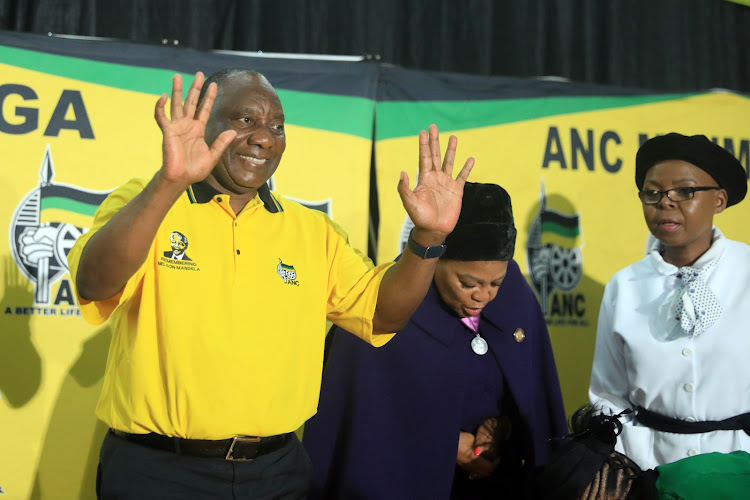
[569,221]
[399,84]
[70,193]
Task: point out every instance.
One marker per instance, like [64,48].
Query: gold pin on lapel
[519,335]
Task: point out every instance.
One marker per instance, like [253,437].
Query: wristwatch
[425,252]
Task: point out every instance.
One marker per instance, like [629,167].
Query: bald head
[221,77]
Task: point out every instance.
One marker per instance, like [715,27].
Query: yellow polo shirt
[221,331]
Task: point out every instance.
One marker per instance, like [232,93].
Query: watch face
[435,252]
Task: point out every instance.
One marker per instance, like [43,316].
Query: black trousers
[133,471]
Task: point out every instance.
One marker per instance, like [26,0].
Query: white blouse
[643,357]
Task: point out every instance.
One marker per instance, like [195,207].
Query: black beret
[485,229]
[720,164]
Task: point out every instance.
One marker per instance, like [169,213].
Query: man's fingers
[221,143]
[176,104]
[191,101]
[159,114]
[204,112]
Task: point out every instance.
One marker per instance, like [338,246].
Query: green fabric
[711,476]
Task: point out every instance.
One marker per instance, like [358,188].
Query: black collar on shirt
[202,192]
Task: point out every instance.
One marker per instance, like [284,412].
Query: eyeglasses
[652,196]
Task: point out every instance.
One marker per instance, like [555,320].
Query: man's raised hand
[186,156]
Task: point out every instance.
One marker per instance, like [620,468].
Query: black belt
[668,424]
[237,449]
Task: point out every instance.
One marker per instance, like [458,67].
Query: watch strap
[423,251]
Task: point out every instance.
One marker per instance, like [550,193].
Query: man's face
[178,245]
[685,224]
[250,106]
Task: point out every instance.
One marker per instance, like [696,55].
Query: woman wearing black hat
[413,419]
[672,339]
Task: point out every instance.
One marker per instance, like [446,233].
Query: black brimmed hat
[720,164]
[485,229]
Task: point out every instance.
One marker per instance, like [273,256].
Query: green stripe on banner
[568,232]
[69,205]
[137,79]
[334,113]
[404,119]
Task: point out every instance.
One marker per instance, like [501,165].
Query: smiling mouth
[253,160]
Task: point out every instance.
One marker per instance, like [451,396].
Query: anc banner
[76,121]
[566,154]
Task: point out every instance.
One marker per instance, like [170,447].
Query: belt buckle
[240,439]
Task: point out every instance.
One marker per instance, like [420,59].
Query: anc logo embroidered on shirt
[177,257]
[287,273]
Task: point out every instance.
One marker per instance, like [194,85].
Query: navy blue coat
[389,418]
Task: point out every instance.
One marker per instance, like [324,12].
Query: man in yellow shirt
[216,359]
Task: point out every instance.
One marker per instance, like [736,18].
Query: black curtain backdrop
[671,45]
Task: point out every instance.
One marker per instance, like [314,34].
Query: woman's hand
[435,203]
[476,466]
[485,436]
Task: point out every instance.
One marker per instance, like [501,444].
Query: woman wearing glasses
[673,337]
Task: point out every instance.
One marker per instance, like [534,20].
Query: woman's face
[683,226]
[467,287]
